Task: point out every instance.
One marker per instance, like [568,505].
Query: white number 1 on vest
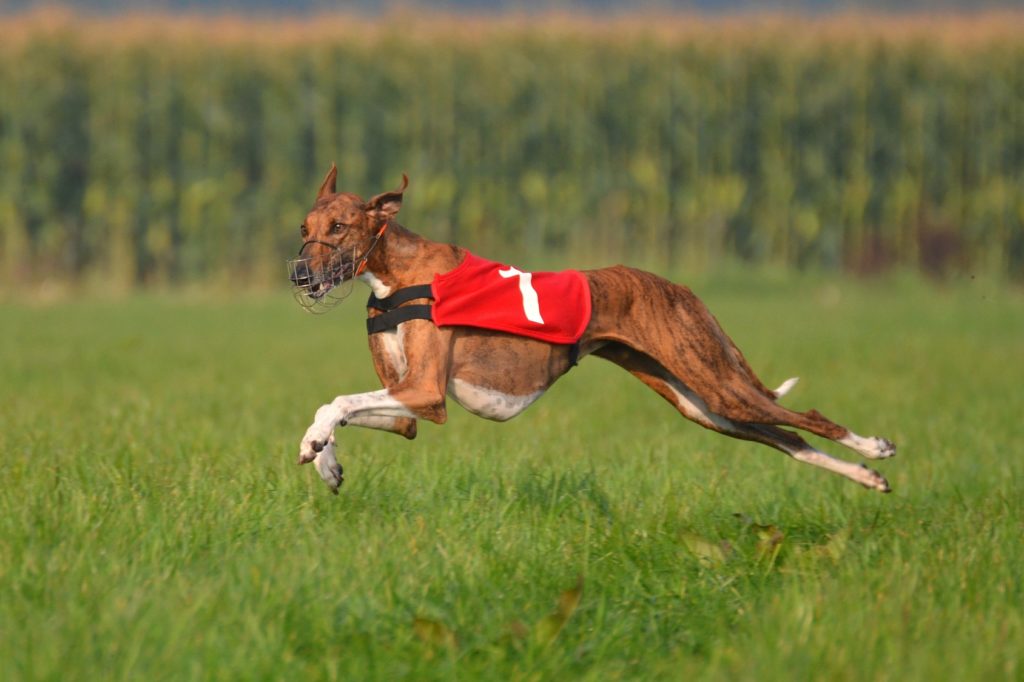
[531,304]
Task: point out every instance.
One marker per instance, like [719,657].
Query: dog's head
[339,235]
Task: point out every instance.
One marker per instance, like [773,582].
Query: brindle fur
[657,330]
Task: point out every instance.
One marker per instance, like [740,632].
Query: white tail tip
[785,387]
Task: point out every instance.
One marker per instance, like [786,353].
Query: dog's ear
[330,183]
[384,206]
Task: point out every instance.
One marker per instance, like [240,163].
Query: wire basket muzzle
[322,276]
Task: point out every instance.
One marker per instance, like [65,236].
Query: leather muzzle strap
[366,254]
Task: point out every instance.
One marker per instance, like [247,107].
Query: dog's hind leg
[762,411]
[815,422]
[870,447]
[669,325]
[797,448]
[694,408]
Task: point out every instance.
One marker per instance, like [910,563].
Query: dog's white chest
[394,352]
[488,402]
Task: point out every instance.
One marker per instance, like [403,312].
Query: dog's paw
[877,448]
[319,434]
[871,447]
[886,448]
[874,480]
[328,467]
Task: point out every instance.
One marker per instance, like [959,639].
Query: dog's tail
[785,387]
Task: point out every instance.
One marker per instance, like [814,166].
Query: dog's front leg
[318,444]
[419,394]
[340,410]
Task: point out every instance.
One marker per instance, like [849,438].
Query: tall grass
[153,523]
[154,150]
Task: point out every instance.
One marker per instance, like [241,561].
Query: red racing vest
[549,306]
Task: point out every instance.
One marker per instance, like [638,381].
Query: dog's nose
[300,274]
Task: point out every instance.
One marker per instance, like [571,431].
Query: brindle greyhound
[658,331]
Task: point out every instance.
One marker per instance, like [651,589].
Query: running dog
[658,331]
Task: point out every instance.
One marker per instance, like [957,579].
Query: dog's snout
[301,274]
[317,272]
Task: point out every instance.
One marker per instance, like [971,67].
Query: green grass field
[154,525]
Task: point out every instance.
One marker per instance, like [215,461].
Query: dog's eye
[336,227]
[304,231]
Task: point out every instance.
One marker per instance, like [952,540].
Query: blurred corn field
[154,150]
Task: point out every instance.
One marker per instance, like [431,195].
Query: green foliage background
[169,158]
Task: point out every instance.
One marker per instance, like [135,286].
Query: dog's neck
[403,258]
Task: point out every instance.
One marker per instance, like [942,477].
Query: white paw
[874,480]
[885,448]
[327,466]
[871,447]
[878,448]
[319,434]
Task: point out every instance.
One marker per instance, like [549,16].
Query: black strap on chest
[393,313]
[574,355]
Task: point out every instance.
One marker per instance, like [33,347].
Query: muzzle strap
[366,254]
